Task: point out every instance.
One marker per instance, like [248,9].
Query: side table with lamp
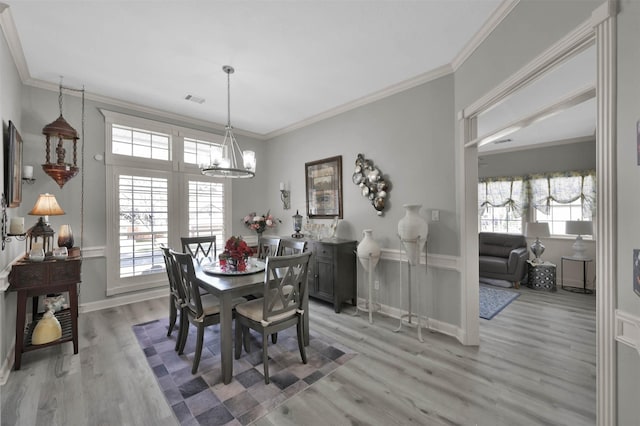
[542,275]
[44,271]
[579,228]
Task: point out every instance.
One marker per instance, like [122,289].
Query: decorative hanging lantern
[60,130]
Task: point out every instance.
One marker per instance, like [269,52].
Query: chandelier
[229,161]
[60,130]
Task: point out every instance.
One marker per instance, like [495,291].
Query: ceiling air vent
[194,99]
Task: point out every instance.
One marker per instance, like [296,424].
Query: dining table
[227,287]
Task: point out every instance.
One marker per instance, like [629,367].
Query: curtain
[509,192]
[564,188]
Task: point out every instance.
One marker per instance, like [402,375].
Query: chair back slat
[170,266]
[187,282]
[285,284]
[200,247]
[289,247]
[268,246]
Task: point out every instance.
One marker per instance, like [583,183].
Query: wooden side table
[34,279]
[542,276]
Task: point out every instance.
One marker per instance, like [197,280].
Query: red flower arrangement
[235,254]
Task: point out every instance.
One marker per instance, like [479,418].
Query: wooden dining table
[226,288]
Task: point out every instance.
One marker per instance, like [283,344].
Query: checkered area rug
[202,398]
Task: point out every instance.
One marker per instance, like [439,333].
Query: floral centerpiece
[235,254]
[260,222]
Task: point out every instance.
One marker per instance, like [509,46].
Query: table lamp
[579,228]
[45,206]
[537,230]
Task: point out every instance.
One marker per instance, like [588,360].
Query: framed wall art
[13,167]
[324,188]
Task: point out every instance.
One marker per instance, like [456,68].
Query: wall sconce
[285,196]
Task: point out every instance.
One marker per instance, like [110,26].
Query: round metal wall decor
[372,184]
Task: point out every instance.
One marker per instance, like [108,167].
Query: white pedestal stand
[408,317]
[369,307]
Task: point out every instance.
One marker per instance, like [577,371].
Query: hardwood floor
[535,366]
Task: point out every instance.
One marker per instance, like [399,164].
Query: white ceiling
[293,60]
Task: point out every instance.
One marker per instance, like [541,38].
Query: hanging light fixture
[229,161]
[60,129]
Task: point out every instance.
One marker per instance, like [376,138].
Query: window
[555,198]
[200,152]
[144,223]
[206,209]
[157,194]
[559,197]
[501,202]
[139,143]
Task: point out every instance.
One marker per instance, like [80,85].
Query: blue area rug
[493,300]
[202,398]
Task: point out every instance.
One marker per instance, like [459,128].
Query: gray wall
[628,202]
[575,156]
[409,136]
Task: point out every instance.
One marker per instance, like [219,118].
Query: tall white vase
[413,230]
[368,247]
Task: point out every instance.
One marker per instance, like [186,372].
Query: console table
[332,271]
[584,261]
[34,279]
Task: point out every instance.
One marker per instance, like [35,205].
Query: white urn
[368,249]
[413,230]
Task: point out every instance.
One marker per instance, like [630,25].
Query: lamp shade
[579,227]
[537,229]
[47,205]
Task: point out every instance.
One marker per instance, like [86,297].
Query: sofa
[503,256]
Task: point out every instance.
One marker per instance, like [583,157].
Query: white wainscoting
[628,329]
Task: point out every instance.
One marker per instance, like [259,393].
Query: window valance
[564,188]
[509,192]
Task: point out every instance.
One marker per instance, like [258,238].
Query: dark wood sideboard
[332,271]
[34,279]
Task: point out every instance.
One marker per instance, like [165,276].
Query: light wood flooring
[535,366]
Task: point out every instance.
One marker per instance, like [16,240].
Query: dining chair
[268,246]
[175,299]
[288,247]
[199,310]
[276,310]
[200,247]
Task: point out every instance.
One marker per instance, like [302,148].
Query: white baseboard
[628,329]
[428,323]
[113,302]
[7,364]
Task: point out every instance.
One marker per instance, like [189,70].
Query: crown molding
[45,85]
[13,40]
[491,24]
[373,97]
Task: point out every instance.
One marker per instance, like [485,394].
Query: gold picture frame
[324,188]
